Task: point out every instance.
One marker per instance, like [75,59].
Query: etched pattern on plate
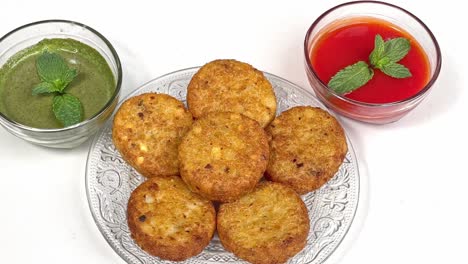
[109,182]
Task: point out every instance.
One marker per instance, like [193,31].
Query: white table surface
[414,206]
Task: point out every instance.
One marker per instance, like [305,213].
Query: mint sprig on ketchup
[384,57]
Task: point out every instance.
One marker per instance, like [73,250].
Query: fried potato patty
[223,156]
[307,147]
[167,220]
[230,85]
[268,225]
[147,131]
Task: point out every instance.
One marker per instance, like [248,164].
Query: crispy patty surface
[167,220]
[269,225]
[223,156]
[307,147]
[147,131]
[230,85]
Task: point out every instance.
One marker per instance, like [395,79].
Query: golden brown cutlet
[230,85]
[307,147]
[147,131]
[167,220]
[223,156]
[267,226]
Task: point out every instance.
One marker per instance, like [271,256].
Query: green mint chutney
[94,85]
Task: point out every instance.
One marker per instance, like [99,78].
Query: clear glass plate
[109,182]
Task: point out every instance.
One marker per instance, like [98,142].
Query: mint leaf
[384,57]
[396,49]
[396,70]
[351,78]
[69,76]
[56,76]
[67,109]
[379,49]
[51,67]
[380,63]
[44,87]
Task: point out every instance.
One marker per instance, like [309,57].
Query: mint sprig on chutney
[384,57]
[56,76]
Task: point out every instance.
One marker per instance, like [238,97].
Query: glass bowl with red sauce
[345,34]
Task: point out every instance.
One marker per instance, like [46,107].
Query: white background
[415,168]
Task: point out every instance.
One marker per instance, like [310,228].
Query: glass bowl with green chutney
[59,82]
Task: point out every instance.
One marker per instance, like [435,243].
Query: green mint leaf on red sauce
[351,77]
[56,75]
[396,49]
[67,109]
[396,70]
[379,48]
[384,57]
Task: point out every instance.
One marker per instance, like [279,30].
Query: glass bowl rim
[425,89]
[103,109]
